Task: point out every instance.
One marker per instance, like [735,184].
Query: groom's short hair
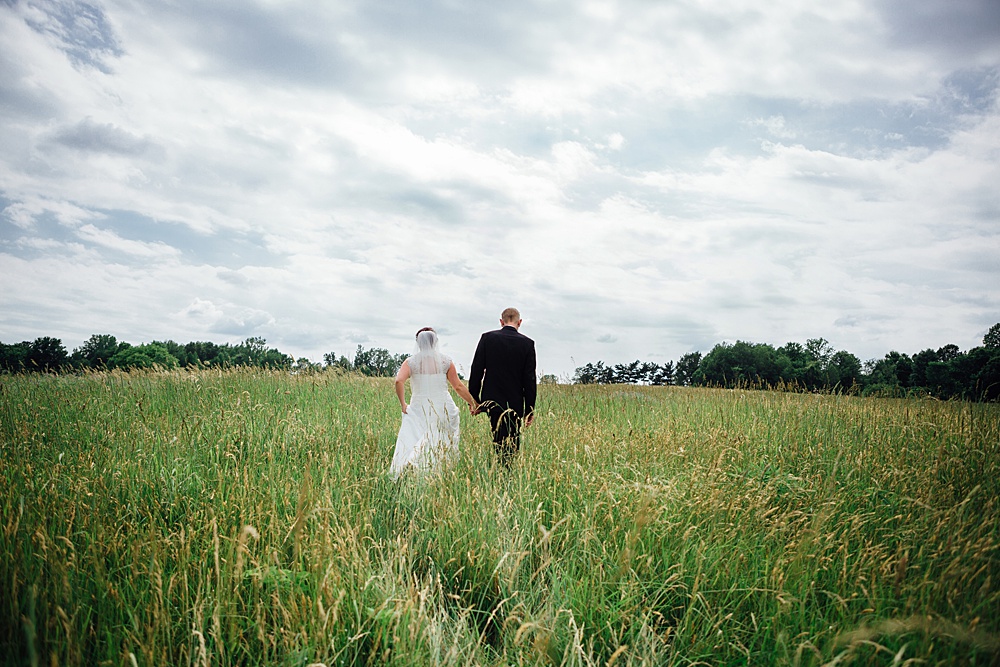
[510,315]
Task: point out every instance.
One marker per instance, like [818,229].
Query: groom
[503,381]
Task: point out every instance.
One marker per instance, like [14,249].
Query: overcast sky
[642,179]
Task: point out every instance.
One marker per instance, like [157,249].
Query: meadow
[244,517]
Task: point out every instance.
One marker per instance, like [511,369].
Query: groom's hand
[529,419]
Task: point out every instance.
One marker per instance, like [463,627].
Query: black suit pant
[506,427]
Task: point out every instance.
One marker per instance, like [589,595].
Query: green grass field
[245,518]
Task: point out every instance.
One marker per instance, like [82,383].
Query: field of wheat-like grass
[245,518]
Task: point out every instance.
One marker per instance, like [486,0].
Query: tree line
[105,352]
[945,373]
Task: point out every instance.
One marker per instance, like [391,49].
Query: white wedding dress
[428,435]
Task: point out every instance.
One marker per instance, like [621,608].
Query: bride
[429,432]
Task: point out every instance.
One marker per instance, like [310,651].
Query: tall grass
[245,517]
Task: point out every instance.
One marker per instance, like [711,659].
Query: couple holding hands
[501,384]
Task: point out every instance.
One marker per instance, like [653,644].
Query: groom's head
[510,318]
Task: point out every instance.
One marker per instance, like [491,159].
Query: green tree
[817,374]
[971,373]
[808,365]
[304,365]
[661,374]
[988,379]
[592,374]
[844,370]
[178,352]
[890,374]
[921,361]
[942,380]
[254,352]
[330,360]
[206,353]
[14,357]
[819,350]
[251,352]
[949,352]
[740,364]
[686,367]
[47,354]
[631,373]
[274,358]
[149,355]
[377,362]
[992,338]
[97,351]
[795,363]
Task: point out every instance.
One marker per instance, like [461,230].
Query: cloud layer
[642,180]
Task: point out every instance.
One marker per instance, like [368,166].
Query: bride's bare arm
[401,376]
[460,388]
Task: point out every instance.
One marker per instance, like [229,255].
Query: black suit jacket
[503,370]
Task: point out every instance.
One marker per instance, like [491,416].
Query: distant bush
[149,355]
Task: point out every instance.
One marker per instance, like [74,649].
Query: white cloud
[113,241]
[201,309]
[775,126]
[662,176]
